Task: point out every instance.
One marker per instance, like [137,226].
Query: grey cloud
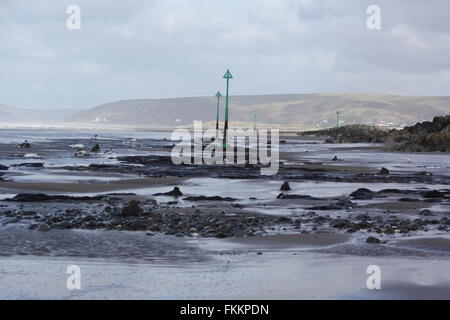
[168,48]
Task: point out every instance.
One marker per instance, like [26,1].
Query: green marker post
[227,76]
[218,95]
[337,119]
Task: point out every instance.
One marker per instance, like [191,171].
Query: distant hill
[53,115]
[11,115]
[286,109]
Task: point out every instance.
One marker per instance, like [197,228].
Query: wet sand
[436,243]
[287,241]
[315,253]
[90,187]
[251,276]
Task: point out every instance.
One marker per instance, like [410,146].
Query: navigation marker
[338,113]
[218,95]
[227,76]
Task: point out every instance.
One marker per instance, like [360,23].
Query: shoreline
[270,276]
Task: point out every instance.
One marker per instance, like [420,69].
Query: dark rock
[40,197]
[29,165]
[384,171]
[63,225]
[362,194]
[390,191]
[408,199]
[335,158]
[285,186]
[213,198]
[363,225]
[221,235]
[28,213]
[25,145]
[81,153]
[345,203]
[96,148]
[132,209]
[176,192]
[283,220]
[326,207]
[2,167]
[433,194]
[295,196]
[320,219]
[372,240]
[426,213]
[340,223]
[43,227]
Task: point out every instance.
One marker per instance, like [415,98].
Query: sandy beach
[273,275]
[89,187]
[141,227]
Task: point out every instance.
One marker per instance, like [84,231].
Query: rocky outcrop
[213,198]
[356,133]
[422,137]
[40,197]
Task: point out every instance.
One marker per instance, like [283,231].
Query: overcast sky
[172,48]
